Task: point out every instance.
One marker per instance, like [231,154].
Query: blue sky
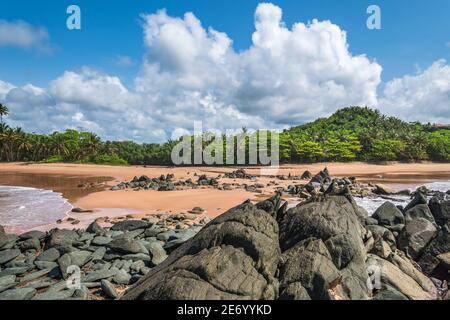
[414,36]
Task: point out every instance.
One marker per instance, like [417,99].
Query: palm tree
[3,112]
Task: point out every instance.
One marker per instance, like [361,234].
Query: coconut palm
[3,112]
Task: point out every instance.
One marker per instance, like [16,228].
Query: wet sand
[214,201]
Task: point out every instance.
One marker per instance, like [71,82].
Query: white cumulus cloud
[423,96]
[288,75]
[24,35]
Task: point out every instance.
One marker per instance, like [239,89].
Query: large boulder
[440,208]
[235,256]
[309,266]
[333,220]
[388,215]
[419,230]
[440,244]
[387,275]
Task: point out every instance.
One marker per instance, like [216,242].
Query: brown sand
[213,200]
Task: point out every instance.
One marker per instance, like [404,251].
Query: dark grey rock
[7,280]
[31,243]
[440,208]
[129,225]
[439,245]
[101,241]
[49,255]
[76,258]
[18,294]
[122,277]
[419,230]
[8,255]
[126,245]
[33,235]
[157,253]
[419,198]
[14,271]
[95,228]
[45,264]
[234,257]
[61,237]
[388,215]
[99,275]
[334,220]
[109,289]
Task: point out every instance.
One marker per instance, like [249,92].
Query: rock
[419,198]
[49,255]
[34,275]
[33,235]
[18,294]
[383,189]
[61,237]
[444,258]
[440,244]
[129,225]
[157,253]
[95,228]
[101,241]
[122,277]
[419,230]
[388,274]
[45,265]
[294,291]
[76,258]
[7,280]
[440,208]
[99,275]
[14,271]
[55,295]
[234,257]
[306,175]
[2,229]
[79,210]
[309,264]
[126,245]
[8,255]
[335,221]
[388,215]
[8,241]
[389,293]
[109,290]
[32,243]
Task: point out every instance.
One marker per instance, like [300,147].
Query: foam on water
[24,208]
[372,204]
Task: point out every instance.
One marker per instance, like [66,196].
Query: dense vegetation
[350,134]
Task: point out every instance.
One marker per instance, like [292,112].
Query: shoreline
[114,204]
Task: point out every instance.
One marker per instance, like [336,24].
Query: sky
[146,70]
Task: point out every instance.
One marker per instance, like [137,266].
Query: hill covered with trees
[350,134]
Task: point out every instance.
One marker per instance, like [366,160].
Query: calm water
[32,200]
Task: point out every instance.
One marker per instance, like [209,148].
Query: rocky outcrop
[234,257]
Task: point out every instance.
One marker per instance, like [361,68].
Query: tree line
[351,134]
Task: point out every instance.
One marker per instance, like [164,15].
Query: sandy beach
[105,202]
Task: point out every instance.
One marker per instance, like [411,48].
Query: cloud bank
[288,75]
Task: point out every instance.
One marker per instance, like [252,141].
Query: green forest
[350,134]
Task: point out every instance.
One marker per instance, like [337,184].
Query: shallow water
[23,208]
[371,204]
[31,200]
